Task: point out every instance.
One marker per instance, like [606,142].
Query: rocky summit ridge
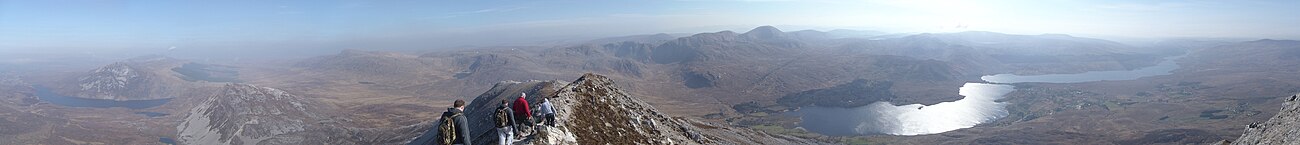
[1283,128]
[592,110]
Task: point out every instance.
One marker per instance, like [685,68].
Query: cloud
[475,12]
[490,10]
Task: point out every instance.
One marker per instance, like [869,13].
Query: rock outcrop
[591,110]
[248,114]
[1283,128]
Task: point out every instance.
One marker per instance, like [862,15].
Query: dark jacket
[510,115]
[462,126]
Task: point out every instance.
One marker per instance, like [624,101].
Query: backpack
[447,131]
[503,118]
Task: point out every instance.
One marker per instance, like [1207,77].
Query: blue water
[166,140]
[152,114]
[49,96]
[1164,68]
[210,73]
[978,106]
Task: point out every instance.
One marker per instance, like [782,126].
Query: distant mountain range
[761,64]
[375,97]
[1250,56]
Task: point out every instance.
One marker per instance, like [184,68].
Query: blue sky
[123,25]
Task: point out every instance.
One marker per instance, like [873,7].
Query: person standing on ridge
[504,118]
[523,115]
[454,129]
[547,112]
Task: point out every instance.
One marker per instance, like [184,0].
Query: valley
[932,88]
[658,72]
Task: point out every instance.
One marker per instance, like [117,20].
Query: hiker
[522,113]
[504,118]
[454,129]
[548,112]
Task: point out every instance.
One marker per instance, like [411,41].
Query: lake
[1163,68]
[914,119]
[979,105]
[166,140]
[54,98]
[209,73]
[152,114]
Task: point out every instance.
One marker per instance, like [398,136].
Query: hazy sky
[265,24]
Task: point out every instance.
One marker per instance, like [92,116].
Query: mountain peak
[765,29]
[591,77]
[115,81]
[593,110]
[765,32]
[1273,41]
[250,114]
[661,35]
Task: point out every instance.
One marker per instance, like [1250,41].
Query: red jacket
[521,108]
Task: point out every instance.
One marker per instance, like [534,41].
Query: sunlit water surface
[1163,68]
[978,106]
